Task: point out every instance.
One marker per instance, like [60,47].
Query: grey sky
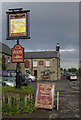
[50,23]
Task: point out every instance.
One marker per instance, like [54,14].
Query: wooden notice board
[45,95]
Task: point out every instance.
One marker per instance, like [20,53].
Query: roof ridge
[42,51]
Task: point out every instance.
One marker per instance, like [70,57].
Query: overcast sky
[50,22]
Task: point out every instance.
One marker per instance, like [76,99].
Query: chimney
[57,47]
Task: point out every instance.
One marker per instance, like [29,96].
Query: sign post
[18,76]
[18,28]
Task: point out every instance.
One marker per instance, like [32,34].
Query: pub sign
[45,95]
[18,25]
[17,54]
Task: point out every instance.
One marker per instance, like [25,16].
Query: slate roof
[30,55]
[40,54]
[5,49]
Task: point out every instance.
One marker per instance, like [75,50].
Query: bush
[30,107]
[5,108]
[14,108]
[25,89]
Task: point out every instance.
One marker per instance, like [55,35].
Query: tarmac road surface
[68,102]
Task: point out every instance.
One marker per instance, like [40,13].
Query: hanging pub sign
[18,24]
[17,54]
[45,95]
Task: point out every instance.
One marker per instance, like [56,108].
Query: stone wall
[53,68]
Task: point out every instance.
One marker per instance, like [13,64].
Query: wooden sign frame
[17,54]
[45,95]
[18,16]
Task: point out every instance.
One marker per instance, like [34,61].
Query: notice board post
[18,27]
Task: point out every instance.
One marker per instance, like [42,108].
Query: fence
[23,102]
[8,97]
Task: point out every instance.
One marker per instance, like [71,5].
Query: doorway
[35,73]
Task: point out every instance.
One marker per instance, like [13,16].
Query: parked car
[24,79]
[11,83]
[71,76]
[30,77]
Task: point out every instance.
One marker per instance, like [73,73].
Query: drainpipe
[57,49]
[57,68]
[31,65]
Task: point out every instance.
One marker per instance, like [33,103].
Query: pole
[18,72]
[57,101]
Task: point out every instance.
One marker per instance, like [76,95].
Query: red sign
[45,95]
[26,64]
[17,54]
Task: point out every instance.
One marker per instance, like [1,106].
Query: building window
[8,59]
[41,62]
[34,63]
[47,63]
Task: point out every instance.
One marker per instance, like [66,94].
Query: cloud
[50,23]
[61,50]
[29,50]
[40,1]
[70,64]
[67,50]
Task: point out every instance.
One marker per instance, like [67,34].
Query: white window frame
[35,63]
[47,63]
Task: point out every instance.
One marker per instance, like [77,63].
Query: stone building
[5,56]
[42,64]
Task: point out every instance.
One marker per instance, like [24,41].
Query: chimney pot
[57,47]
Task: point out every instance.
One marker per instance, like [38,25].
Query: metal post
[57,101]
[18,72]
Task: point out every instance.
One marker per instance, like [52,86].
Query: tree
[79,71]
[61,69]
[64,70]
[72,70]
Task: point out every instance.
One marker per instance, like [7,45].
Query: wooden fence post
[10,100]
[18,100]
[25,100]
[3,97]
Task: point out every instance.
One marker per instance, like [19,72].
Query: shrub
[7,109]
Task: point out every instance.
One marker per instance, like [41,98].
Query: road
[68,101]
